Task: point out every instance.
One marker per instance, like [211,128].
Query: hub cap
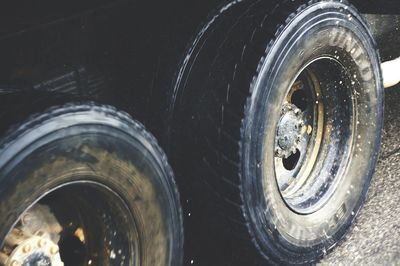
[76,224]
[33,241]
[289,131]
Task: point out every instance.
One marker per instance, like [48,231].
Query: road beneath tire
[375,236]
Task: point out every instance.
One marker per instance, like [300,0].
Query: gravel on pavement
[375,237]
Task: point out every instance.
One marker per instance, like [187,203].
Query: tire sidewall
[92,146]
[310,34]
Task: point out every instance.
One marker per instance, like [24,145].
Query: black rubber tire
[95,144]
[222,120]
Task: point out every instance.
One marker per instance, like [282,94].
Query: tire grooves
[220,140]
[136,130]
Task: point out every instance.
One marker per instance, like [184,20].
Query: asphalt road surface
[375,236]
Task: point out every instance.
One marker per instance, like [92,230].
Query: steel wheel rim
[117,217]
[299,185]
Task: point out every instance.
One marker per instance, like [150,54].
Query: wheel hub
[33,241]
[289,130]
[33,251]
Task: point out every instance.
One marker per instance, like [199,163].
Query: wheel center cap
[289,130]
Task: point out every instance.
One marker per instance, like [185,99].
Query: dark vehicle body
[52,49]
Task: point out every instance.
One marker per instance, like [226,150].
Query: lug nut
[54,250]
[14,263]
[27,248]
[26,218]
[41,243]
[309,130]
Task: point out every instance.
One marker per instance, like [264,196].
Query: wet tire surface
[374,237]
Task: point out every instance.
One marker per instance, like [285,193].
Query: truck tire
[278,116]
[86,185]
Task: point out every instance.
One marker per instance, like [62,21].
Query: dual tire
[273,127]
[276,116]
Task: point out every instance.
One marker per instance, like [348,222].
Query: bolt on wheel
[304,134]
[93,225]
[299,131]
[33,240]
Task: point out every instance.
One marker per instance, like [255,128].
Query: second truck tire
[84,184]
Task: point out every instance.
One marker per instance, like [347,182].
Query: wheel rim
[317,119]
[78,223]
